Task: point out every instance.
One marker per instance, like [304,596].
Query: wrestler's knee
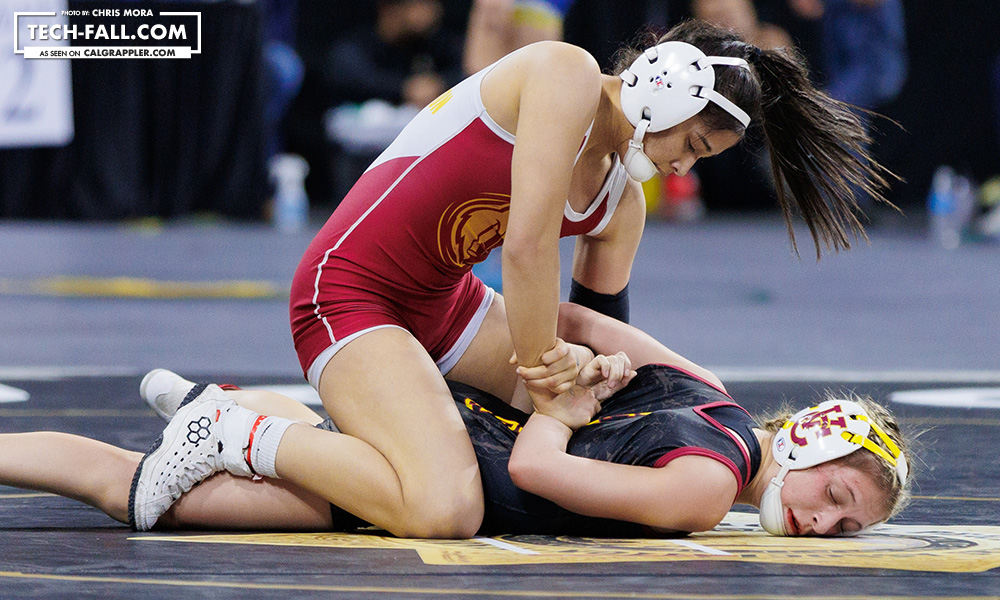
[455,513]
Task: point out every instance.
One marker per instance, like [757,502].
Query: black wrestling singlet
[662,414]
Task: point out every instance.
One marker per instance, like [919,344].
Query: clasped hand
[571,382]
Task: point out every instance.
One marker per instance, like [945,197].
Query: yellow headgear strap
[894,456]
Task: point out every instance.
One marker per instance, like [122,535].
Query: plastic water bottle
[942,209]
[951,206]
[291,205]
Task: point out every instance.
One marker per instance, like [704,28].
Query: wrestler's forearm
[538,452]
[539,464]
[531,292]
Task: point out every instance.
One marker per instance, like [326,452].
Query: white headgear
[817,435]
[668,84]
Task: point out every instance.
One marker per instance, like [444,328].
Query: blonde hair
[884,474]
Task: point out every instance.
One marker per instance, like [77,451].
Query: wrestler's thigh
[385,389]
[486,362]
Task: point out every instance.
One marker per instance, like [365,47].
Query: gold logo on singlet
[439,102]
[468,230]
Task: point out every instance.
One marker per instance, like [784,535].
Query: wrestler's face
[675,150]
[831,499]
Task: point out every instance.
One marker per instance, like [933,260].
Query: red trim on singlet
[590,222]
[700,410]
[699,378]
[695,451]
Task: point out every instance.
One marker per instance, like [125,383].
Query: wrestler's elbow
[526,471]
[529,247]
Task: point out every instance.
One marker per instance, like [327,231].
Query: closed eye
[708,147]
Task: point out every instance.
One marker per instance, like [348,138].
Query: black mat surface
[945,545]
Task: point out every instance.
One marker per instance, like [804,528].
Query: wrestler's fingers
[562,380]
[566,366]
[623,372]
[616,369]
[559,351]
[626,366]
[594,371]
[626,360]
[550,384]
[602,364]
[563,387]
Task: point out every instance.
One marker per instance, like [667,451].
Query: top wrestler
[539,145]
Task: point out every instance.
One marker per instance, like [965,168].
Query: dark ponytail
[817,145]
[818,149]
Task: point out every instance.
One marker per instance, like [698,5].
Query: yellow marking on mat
[243,584]
[439,102]
[956,498]
[945,549]
[74,412]
[136,287]
[29,495]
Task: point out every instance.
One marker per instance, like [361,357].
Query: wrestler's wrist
[539,421]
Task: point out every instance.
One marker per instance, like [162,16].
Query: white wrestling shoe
[164,391]
[192,448]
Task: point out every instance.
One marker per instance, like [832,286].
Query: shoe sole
[198,389]
[135,483]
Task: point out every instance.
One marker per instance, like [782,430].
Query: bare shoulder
[548,56]
[562,57]
[711,490]
[555,75]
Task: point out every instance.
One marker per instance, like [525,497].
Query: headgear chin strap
[668,84]
[637,164]
[817,435]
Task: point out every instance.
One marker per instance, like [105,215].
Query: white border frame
[18,15]
[52,14]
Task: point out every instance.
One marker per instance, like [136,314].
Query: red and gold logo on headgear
[468,230]
[820,421]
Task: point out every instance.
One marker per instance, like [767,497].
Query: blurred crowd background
[300,95]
